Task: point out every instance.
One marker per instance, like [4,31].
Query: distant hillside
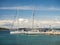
[3,28]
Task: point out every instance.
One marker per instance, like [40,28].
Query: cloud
[5,23]
[53,8]
[31,8]
[18,8]
[22,22]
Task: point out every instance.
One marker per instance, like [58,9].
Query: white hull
[30,32]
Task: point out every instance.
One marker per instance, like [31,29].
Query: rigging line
[17,13]
[15,17]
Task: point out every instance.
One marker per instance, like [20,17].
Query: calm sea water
[23,39]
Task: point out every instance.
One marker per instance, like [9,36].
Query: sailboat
[34,31]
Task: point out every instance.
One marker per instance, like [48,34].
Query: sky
[46,12]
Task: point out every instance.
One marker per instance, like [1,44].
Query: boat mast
[17,18]
[33,19]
